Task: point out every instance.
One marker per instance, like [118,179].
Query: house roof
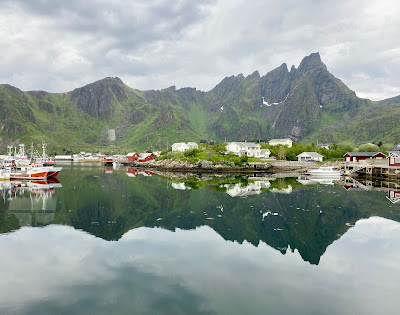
[396,147]
[280,140]
[179,144]
[367,154]
[322,144]
[131,154]
[246,144]
[312,154]
[144,155]
[394,153]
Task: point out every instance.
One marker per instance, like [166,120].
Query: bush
[191,152]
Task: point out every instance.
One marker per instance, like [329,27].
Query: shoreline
[210,167]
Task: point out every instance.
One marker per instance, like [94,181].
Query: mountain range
[305,104]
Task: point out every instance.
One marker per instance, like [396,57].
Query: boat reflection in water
[31,202]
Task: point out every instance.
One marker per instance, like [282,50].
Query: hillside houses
[182,146]
[247,148]
[286,142]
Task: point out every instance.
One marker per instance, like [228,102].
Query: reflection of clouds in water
[129,292]
[59,269]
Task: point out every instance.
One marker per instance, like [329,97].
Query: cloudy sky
[56,45]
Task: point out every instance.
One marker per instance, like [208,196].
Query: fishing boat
[33,171]
[325,172]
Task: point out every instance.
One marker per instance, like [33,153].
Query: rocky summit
[305,104]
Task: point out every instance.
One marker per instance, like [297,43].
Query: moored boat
[325,171]
[33,171]
[4,174]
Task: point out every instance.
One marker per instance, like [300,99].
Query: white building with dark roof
[310,156]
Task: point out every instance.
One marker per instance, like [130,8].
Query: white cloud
[58,45]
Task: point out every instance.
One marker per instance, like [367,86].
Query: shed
[131,157]
[145,157]
[310,156]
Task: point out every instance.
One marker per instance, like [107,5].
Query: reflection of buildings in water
[180,186]
[394,196]
[253,188]
[288,190]
[32,202]
[108,169]
[310,180]
[134,172]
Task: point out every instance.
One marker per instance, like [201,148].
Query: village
[249,152]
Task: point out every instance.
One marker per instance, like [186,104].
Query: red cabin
[360,156]
[145,157]
[132,157]
[394,158]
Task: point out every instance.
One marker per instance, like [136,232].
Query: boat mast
[31,151]
[44,145]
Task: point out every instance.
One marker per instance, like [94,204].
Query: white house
[310,156]
[192,145]
[247,148]
[323,145]
[182,146]
[286,142]
[179,146]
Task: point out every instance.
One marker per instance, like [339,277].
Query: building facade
[286,142]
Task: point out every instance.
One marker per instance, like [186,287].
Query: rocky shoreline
[214,167]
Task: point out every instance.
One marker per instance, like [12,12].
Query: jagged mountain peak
[311,62]
[255,75]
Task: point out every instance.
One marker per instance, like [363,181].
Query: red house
[394,158]
[360,156]
[132,157]
[145,157]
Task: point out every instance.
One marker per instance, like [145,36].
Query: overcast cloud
[57,45]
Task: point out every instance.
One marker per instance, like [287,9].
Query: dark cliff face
[97,98]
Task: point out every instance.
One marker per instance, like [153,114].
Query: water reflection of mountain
[308,219]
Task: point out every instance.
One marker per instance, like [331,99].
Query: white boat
[325,172]
[4,174]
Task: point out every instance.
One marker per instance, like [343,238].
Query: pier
[378,169]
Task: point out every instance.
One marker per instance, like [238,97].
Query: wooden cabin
[361,156]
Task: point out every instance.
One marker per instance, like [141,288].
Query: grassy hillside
[306,104]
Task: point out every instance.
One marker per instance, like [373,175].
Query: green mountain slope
[305,103]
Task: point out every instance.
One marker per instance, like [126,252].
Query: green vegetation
[312,106]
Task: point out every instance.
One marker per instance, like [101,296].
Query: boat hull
[36,175]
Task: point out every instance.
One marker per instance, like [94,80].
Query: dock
[378,169]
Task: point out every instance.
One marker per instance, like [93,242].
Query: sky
[57,46]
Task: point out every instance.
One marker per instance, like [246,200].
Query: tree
[281,153]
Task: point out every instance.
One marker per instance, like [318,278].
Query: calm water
[129,243]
